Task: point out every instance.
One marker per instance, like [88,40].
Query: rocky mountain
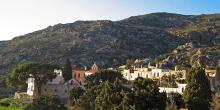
[110,43]
[191,55]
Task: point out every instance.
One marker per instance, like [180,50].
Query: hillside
[110,43]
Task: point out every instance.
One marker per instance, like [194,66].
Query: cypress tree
[198,93]
[67,70]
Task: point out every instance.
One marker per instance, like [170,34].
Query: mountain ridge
[110,43]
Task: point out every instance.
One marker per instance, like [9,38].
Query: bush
[13,103]
[5,102]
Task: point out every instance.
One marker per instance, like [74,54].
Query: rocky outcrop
[110,43]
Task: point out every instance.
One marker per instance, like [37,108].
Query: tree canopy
[67,70]
[106,96]
[197,94]
[129,63]
[74,94]
[175,101]
[102,76]
[216,100]
[168,81]
[117,95]
[147,95]
[42,72]
[46,103]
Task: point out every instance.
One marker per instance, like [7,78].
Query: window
[157,74]
[65,91]
[55,90]
[45,90]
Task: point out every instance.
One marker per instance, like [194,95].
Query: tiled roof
[78,70]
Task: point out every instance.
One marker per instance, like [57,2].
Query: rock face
[110,43]
[189,55]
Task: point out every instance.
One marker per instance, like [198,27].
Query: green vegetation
[12,104]
[10,108]
[175,102]
[197,94]
[215,49]
[129,63]
[168,81]
[102,76]
[46,103]
[67,70]
[107,93]
[74,94]
[6,92]
[147,96]
[216,101]
[42,72]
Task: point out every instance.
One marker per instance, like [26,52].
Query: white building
[56,87]
[158,73]
[145,73]
[181,86]
[128,75]
[133,74]
[152,72]
[31,87]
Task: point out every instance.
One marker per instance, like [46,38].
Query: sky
[19,17]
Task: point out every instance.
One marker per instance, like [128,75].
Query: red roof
[92,71]
[82,70]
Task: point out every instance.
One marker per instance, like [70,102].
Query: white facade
[158,73]
[154,73]
[126,74]
[181,88]
[138,72]
[31,87]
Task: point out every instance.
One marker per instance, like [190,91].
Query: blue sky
[18,17]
